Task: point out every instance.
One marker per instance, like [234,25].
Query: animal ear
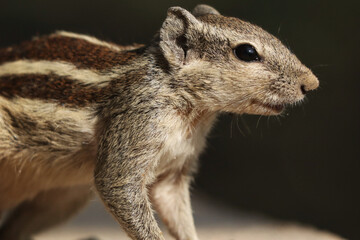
[175,34]
[203,9]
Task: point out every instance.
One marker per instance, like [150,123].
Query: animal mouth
[275,107]
[269,108]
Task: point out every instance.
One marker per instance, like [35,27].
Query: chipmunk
[77,112]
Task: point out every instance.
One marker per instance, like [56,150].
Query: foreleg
[127,156]
[171,199]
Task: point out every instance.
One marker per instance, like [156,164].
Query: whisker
[258,121]
[278,120]
[268,122]
[238,127]
[245,124]
[231,127]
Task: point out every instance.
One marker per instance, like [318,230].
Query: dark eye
[246,52]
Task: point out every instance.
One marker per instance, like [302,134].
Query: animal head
[231,65]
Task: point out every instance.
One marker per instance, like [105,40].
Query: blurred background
[303,166]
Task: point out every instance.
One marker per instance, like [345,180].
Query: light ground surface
[213,221]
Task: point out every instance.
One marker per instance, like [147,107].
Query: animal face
[232,65]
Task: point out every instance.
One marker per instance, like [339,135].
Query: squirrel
[77,113]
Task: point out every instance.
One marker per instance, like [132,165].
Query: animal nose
[308,82]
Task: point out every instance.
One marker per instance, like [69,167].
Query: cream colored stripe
[88,39]
[63,69]
[43,110]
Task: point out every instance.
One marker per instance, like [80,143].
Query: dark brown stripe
[27,132]
[51,87]
[81,53]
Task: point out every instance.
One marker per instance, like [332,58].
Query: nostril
[303,90]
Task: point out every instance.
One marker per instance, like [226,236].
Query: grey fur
[136,136]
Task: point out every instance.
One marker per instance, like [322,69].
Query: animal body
[76,112]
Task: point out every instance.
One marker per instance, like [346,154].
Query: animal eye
[247,53]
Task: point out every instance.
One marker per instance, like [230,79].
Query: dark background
[303,166]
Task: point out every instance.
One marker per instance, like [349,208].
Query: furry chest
[180,148]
